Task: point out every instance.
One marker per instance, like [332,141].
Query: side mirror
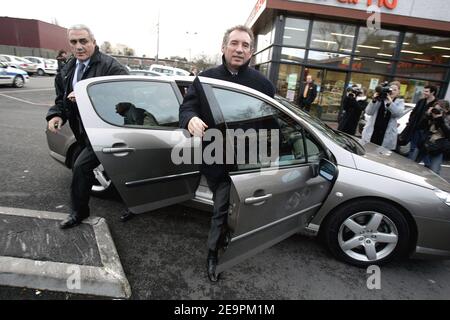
[328,170]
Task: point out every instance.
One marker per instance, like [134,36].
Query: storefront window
[332,36]
[367,81]
[377,43]
[292,55]
[414,70]
[372,65]
[412,90]
[264,69]
[329,59]
[425,48]
[295,32]
[264,56]
[265,37]
[289,81]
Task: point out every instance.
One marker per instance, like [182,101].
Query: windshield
[345,141]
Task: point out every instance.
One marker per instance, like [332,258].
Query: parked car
[144,73]
[168,71]
[44,66]
[13,76]
[368,204]
[19,63]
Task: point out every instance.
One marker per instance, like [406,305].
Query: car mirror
[327,170]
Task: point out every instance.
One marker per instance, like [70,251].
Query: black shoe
[127,215]
[70,222]
[211,264]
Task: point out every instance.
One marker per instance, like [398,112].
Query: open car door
[132,125]
[269,201]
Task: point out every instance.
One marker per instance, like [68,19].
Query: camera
[436,110]
[353,92]
[383,91]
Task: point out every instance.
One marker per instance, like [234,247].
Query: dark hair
[243,28]
[433,89]
[444,104]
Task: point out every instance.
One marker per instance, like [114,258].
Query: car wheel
[41,72]
[103,186]
[18,82]
[367,232]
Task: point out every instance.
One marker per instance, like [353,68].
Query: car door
[132,125]
[270,199]
[4,77]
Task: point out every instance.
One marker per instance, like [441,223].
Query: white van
[168,71]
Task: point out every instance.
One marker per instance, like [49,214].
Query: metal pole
[157,40]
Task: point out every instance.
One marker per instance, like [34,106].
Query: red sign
[389,4]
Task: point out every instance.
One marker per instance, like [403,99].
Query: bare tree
[106,47]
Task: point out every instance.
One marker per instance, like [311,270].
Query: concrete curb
[108,281]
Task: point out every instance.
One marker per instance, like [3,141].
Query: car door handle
[117,150]
[258,200]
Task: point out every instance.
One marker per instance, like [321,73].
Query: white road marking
[25,101]
[29,90]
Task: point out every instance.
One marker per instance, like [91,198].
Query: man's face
[238,49]
[81,44]
[309,79]
[426,93]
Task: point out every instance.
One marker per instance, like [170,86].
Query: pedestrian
[308,94]
[416,129]
[62,59]
[437,141]
[384,110]
[88,62]
[354,104]
[237,49]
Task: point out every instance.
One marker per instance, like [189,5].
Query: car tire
[18,82]
[103,186]
[41,72]
[351,237]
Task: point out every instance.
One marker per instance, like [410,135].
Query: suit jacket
[310,97]
[99,65]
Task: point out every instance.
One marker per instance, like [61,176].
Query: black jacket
[192,104]
[418,119]
[310,97]
[351,114]
[99,65]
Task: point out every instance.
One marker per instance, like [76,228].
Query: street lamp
[191,34]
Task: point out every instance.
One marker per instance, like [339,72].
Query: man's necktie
[81,67]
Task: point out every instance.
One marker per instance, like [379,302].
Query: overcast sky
[186,27]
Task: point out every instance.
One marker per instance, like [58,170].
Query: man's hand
[54,125]
[71,97]
[197,127]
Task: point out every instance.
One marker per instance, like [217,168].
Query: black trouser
[221,198]
[82,182]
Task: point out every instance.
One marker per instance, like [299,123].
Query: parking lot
[163,252]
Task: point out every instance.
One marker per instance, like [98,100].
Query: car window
[136,104]
[6,58]
[286,138]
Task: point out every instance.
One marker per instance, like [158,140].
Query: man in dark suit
[88,62]
[237,49]
[308,94]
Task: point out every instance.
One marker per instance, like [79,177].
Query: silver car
[368,204]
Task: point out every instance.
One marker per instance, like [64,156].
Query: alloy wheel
[368,236]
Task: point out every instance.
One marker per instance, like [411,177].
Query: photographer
[384,109]
[354,104]
[437,141]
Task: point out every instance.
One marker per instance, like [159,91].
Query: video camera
[353,92]
[383,91]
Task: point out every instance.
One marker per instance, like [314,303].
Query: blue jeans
[417,139]
[434,162]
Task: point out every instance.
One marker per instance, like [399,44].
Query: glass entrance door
[330,87]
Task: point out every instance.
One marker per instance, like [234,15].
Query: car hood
[383,162]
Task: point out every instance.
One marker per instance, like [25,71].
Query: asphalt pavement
[163,252]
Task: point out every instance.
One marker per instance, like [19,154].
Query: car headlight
[444,196]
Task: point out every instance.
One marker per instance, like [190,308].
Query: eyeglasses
[81,41]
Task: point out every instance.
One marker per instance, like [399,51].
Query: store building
[345,42]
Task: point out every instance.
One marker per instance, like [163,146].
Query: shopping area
[345,42]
